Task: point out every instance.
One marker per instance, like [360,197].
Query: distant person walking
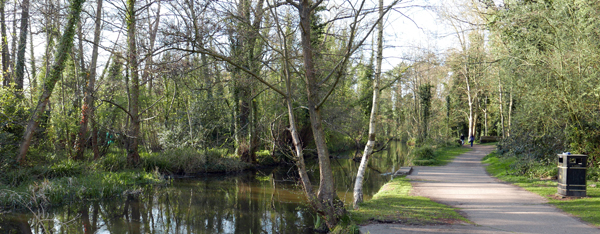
[462,139]
[471,139]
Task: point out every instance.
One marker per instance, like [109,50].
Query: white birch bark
[358,193]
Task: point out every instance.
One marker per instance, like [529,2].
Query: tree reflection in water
[262,201]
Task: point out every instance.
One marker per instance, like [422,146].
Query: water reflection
[263,201]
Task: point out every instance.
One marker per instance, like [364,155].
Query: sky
[415,26]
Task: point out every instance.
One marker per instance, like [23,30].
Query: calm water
[263,201]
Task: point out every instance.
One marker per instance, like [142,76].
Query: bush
[112,162]
[265,158]
[423,156]
[424,153]
[190,161]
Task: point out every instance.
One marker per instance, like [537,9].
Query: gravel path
[493,206]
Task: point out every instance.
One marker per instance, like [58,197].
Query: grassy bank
[52,179]
[394,204]
[538,179]
[58,191]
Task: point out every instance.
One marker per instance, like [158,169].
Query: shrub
[190,161]
[423,156]
[112,162]
[265,157]
[65,168]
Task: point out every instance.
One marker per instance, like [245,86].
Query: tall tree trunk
[133,156]
[146,77]
[501,109]
[247,42]
[332,208]
[20,66]
[87,110]
[475,116]
[510,108]
[485,116]
[33,77]
[65,45]
[5,51]
[358,193]
[470,99]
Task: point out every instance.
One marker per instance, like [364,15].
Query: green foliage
[428,156]
[53,192]
[13,115]
[265,157]
[423,156]
[548,60]
[190,161]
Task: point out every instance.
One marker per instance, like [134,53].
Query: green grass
[394,204]
[427,156]
[587,208]
[58,191]
[447,154]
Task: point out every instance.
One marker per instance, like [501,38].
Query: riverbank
[55,180]
[393,203]
[543,182]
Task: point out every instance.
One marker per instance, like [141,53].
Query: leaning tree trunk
[64,46]
[20,66]
[87,111]
[358,193]
[133,156]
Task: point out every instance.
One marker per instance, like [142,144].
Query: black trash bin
[572,175]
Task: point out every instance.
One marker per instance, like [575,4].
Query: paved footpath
[493,206]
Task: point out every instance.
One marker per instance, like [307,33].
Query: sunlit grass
[447,154]
[394,204]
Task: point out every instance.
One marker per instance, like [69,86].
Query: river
[259,201]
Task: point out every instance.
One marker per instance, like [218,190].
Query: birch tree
[358,194]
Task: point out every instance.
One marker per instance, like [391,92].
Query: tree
[87,110]
[358,195]
[20,65]
[65,45]
[4,44]
[133,137]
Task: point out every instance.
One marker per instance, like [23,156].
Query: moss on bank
[536,180]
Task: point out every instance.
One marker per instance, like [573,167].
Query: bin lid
[571,155]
